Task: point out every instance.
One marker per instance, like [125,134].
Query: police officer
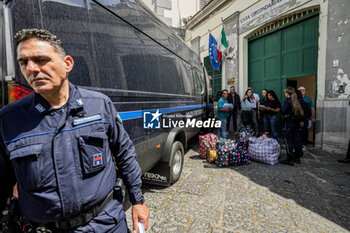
[58,144]
[293,114]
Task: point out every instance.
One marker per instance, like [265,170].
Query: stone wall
[230,60]
[336,110]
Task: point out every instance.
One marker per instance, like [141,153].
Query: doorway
[309,82]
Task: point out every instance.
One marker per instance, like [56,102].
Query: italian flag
[223,44]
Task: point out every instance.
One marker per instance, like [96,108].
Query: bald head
[302,89]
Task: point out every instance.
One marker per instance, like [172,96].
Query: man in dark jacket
[60,143]
[233,98]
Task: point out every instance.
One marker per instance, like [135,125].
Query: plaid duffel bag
[265,150]
[206,143]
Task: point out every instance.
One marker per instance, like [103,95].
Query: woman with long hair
[293,115]
[247,108]
[264,96]
[270,111]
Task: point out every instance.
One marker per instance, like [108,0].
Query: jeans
[255,120]
[246,117]
[232,114]
[222,129]
[271,125]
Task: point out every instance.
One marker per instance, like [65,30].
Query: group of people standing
[297,112]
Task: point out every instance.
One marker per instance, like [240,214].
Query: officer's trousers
[292,140]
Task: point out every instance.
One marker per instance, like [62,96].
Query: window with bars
[216,77]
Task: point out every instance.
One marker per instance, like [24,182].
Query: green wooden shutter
[287,52]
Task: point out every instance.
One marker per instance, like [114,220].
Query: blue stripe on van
[138,114]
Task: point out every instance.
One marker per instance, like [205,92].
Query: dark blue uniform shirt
[61,158]
[287,109]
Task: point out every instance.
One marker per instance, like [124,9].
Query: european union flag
[213,54]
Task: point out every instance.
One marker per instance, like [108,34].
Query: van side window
[186,74]
[76,37]
[152,73]
[199,82]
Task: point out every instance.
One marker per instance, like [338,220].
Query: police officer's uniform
[63,164]
[291,129]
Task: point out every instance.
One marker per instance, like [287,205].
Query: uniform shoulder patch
[119,119]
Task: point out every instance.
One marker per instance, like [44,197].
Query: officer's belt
[84,217]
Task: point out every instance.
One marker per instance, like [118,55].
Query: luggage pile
[206,144]
[224,152]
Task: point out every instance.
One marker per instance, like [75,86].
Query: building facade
[273,44]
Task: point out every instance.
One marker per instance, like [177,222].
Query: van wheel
[176,161]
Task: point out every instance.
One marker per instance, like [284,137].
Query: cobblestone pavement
[313,196]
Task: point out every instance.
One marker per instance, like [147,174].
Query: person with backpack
[294,118]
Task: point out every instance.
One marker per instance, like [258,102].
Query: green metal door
[216,76]
[286,52]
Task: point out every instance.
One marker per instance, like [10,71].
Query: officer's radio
[119,190]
